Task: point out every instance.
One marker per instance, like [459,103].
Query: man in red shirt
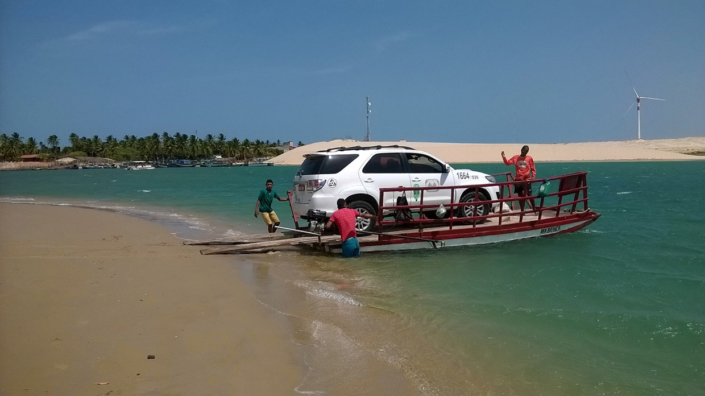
[525,170]
[345,219]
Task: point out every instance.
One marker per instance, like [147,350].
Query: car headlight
[491,179]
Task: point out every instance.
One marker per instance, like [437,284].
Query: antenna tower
[367,135]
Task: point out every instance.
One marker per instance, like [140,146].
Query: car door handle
[416,180]
[368,180]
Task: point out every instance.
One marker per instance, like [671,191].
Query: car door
[426,171]
[384,170]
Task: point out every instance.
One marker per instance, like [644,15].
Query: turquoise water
[617,308]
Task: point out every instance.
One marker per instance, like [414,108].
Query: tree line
[160,148]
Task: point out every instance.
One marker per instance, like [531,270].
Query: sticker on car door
[432,183]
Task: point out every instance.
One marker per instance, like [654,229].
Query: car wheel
[467,211]
[363,224]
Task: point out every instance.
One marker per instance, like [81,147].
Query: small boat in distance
[138,165]
[182,163]
[258,162]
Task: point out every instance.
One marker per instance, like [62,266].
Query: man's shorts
[351,247]
[269,217]
[519,189]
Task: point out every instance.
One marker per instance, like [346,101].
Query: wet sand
[86,296]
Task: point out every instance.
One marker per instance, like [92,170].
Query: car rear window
[325,164]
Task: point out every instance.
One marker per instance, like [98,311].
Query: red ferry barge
[552,213]
[544,214]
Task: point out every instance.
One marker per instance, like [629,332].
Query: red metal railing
[569,184]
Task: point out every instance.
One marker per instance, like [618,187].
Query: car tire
[467,211]
[363,224]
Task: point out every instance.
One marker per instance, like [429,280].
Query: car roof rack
[364,148]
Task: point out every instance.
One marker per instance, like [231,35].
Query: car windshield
[325,164]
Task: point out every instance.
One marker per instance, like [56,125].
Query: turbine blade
[646,97]
[631,83]
[630,107]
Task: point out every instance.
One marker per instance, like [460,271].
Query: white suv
[357,173]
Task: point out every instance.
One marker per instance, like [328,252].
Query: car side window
[384,163]
[419,163]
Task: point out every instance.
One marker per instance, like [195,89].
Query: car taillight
[315,185]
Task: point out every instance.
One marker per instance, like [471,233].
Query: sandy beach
[87,295]
[632,150]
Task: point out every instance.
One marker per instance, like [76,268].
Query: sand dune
[634,150]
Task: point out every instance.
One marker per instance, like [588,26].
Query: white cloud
[333,70]
[387,41]
[132,28]
[103,29]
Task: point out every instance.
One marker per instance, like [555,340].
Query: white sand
[634,150]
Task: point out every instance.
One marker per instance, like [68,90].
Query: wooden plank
[267,244]
[242,239]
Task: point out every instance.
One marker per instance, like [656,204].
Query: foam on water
[15,199]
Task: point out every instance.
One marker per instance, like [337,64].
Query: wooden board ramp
[242,239]
[269,244]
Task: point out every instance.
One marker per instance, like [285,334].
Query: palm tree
[109,146]
[53,142]
[209,139]
[14,146]
[30,147]
[4,142]
[220,144]
[96,145]
[167,146]
[246,149]
[180,144]
[75,142]
[150,147]
[192,146]
[260,149]
[233,148]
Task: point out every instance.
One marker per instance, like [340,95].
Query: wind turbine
[638,109]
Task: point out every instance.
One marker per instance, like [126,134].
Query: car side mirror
[446,168]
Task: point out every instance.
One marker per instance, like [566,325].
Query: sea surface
[616,308]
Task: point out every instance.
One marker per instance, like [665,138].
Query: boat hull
[479,235]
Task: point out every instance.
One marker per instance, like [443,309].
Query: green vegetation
[130,148]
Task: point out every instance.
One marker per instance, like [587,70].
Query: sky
[448,71]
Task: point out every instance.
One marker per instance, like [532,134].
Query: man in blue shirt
[264,206]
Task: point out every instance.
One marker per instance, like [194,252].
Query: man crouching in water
[345,219]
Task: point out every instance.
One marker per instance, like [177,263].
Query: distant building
[286,146]
[31,158]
